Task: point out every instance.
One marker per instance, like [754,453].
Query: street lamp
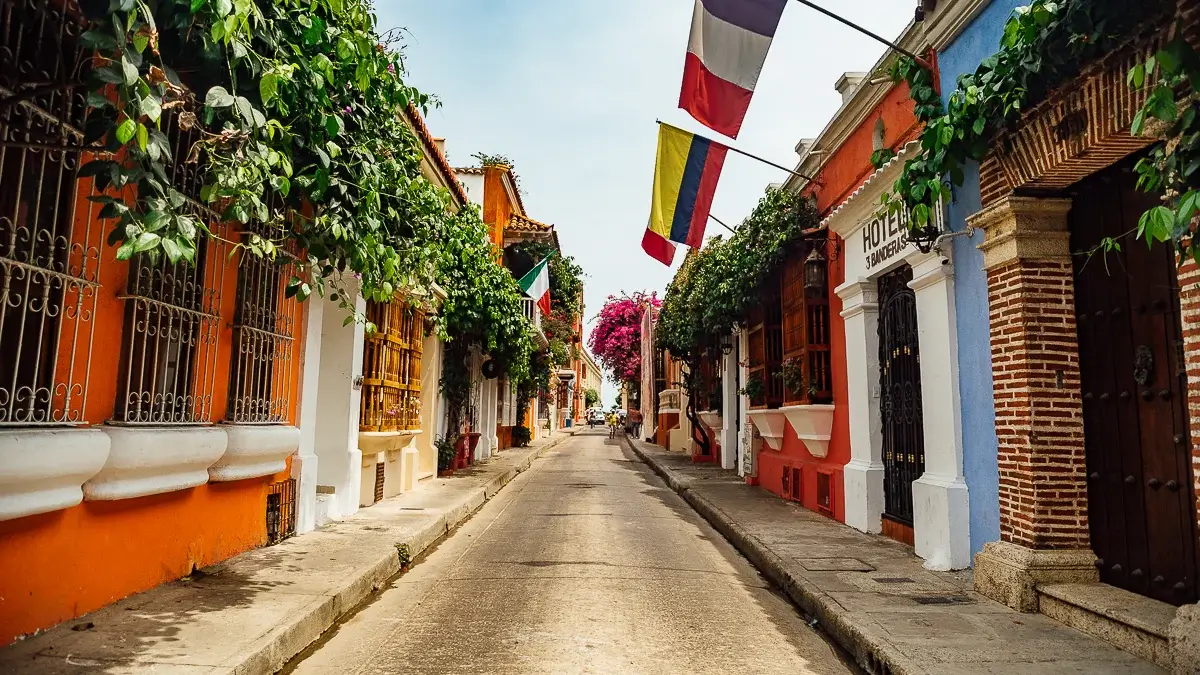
[816,272]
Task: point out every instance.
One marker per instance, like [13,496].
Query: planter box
[771,425]
[43,470]
[712,418]
[813,425]
[152,460]
[254,451]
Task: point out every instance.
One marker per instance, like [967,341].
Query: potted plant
[521,436]
[446,455]
[793,378]
[754,388]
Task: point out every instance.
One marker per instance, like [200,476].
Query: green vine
[717,285]
[1173,166]
[1044,44]
[881,156]
[298,107]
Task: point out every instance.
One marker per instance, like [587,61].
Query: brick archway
[1080,130]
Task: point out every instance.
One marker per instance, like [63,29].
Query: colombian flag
[685,180]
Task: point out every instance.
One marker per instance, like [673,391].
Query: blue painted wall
[978,41]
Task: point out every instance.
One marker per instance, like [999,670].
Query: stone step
[1127,621]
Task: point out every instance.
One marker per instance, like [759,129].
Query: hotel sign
[884,239]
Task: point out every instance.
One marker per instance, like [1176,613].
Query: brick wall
[1189,299]
[1039,416]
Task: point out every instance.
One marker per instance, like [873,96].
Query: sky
[570,91]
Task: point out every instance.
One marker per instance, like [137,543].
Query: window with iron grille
[172,325]
[50,240]
[264,344]
[391,392]
[806,334]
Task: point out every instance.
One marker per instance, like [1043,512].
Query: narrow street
[586,563]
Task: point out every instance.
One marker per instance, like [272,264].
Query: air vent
[824,493]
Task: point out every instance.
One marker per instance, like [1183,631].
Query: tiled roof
[473,170]
[436,155]
[523,224]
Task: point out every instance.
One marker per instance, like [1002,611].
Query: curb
[870,652]
[271,653]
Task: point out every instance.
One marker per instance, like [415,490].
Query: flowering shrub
[617,338]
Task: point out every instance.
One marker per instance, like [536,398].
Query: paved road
[586,563]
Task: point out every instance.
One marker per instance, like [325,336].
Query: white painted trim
[854,111]
[950,19]
[43,470]
[813,425]
[254,451]
[152,460]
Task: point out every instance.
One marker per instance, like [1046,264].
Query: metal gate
[281,511]
[899,394]
[1141,509]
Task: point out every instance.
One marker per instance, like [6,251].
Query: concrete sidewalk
[254,612]
[873,595]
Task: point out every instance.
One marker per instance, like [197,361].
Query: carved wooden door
[1141,509]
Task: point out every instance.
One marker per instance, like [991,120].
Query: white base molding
[371,442]
[153,460]
[941,523]
[771,425]
[42,470]
[813,425]
[863,484]
[255,451]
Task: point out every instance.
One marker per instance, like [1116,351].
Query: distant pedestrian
[635,420]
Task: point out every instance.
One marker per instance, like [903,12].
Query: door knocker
[1143,365]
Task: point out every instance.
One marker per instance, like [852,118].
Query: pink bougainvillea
[617,338]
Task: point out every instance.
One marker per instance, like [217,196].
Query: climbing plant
[482,307]
[1173,166]
[717,285]
[616,340]
[1043,45]
[298,106]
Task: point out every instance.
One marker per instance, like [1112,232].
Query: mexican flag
[536,284]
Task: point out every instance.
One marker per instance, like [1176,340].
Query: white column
[748,461]
[729,409]
[338,402]
[304,466]
[941,512]
[863,475]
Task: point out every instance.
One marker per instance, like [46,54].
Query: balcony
[668,401]
[534,314]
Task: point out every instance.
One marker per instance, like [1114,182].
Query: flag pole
[866,32]
[743,152]
[721,223]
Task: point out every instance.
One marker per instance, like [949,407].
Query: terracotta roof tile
[435,154]
[522,224]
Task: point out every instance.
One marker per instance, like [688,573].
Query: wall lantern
[816,272]
[727,347]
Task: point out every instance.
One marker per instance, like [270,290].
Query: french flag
[726,51]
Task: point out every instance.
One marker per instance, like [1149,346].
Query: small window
[877,138]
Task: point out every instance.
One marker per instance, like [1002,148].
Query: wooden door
[900,395]
[1141,509]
